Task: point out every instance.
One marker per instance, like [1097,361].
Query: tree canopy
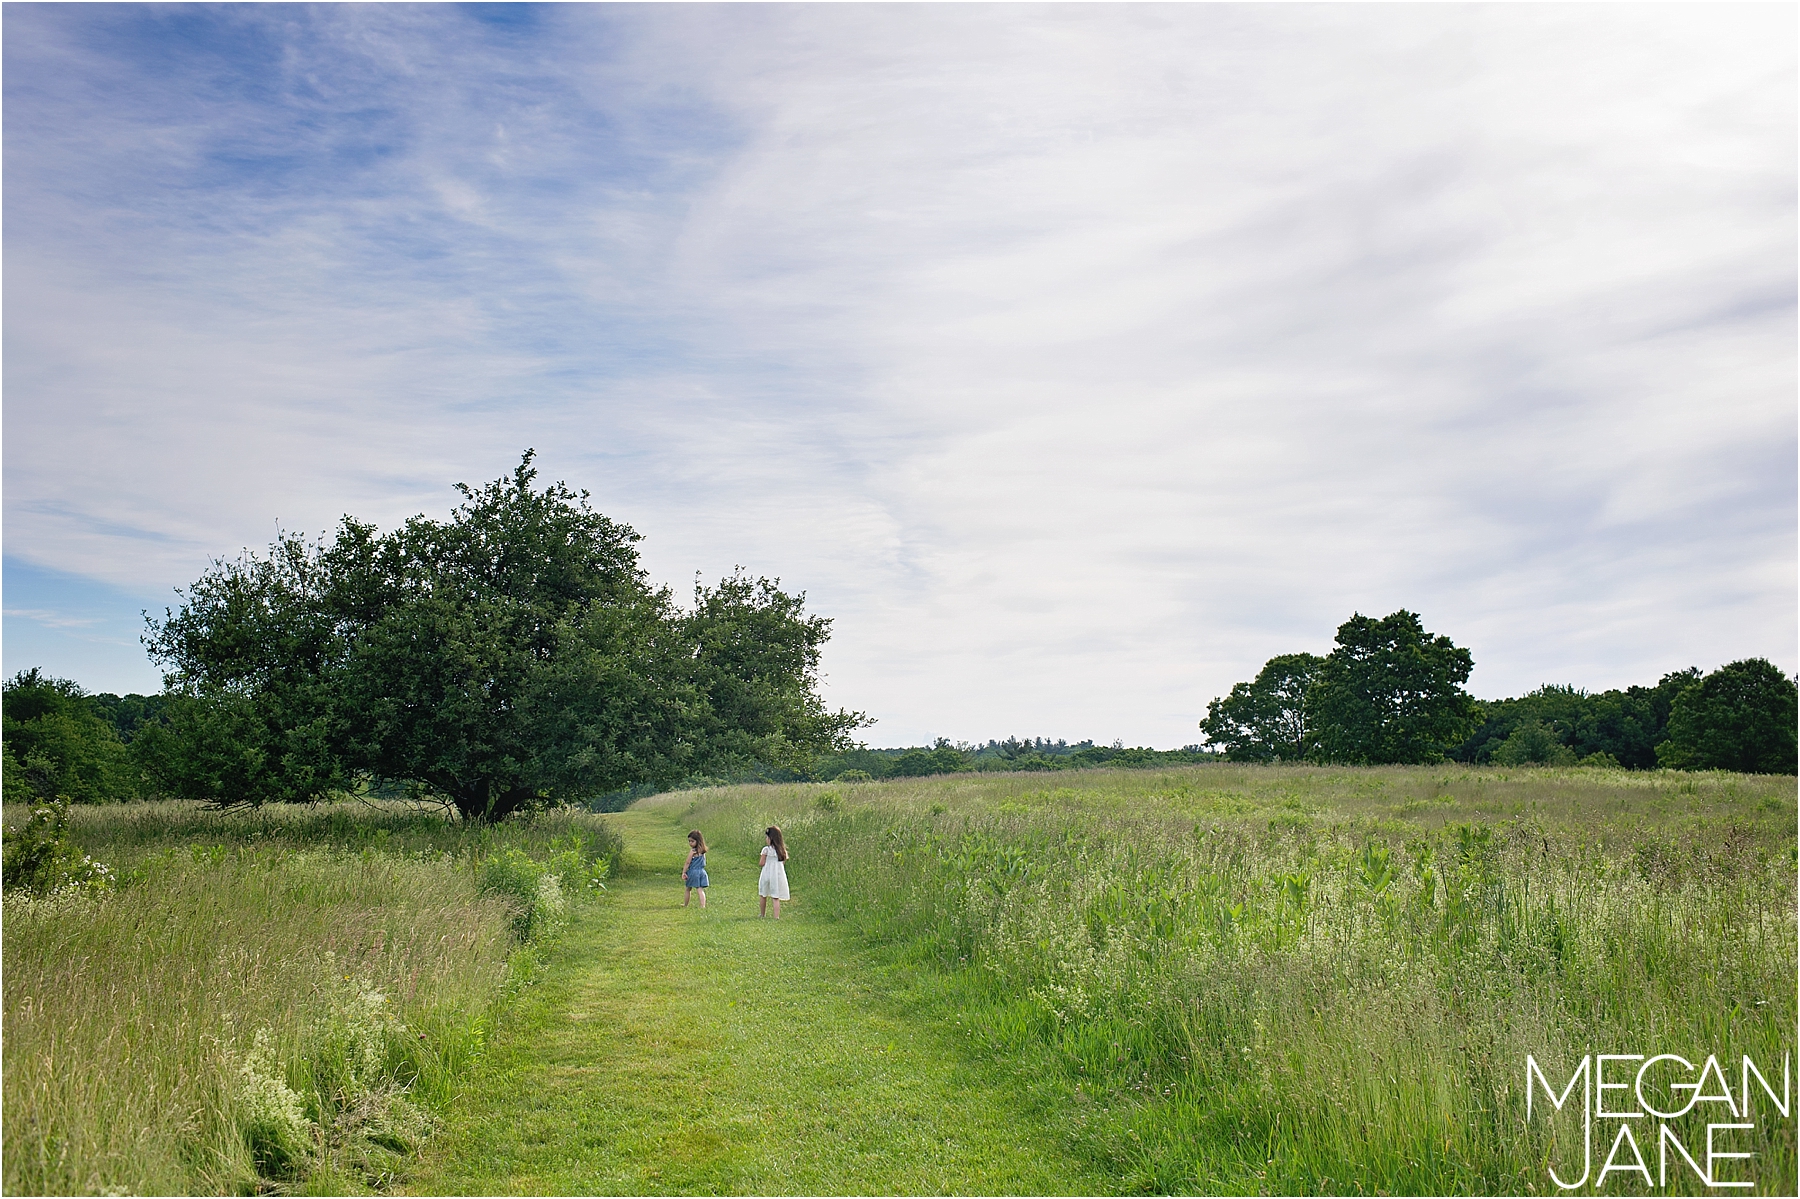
[1739,717]
[1389,692]
[1623,725]
[1268,719]
[510,656]
[55,744]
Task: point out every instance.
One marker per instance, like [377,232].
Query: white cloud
[1074,359]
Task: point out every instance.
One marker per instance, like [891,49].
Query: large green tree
[1390,692]
[511,656]
[1267,719]
[1739,717]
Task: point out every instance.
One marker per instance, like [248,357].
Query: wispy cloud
[1074,359]
[52,619]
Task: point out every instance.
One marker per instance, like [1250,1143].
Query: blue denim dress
[696,871]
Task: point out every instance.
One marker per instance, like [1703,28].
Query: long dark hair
[774,835]
[698,841]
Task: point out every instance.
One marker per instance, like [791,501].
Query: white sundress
[773,883]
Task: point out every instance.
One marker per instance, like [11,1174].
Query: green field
[1204,979]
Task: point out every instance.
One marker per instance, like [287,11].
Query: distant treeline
[1390,692]
[1558,726]
[1039,753]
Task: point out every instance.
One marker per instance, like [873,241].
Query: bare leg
[777,909]
[690,895]
[765,905]
[702,898]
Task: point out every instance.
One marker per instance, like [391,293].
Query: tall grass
[1298,980]
[267,998]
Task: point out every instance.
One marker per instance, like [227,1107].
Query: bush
[536,889]
[41,859]
[1533,743]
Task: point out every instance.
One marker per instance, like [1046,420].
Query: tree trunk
[488,803]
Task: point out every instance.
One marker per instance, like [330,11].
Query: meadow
[272,999]
[1202,979]
[1304,979]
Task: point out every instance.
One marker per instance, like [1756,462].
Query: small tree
[1268,718]
[755,666]
[1391,693]
[1739,717]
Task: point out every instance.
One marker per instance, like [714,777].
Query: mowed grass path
[673,1050]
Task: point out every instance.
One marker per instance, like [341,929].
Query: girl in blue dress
[693,871]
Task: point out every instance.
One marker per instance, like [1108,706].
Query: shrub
[534,889]
[1533,743]
[41,859]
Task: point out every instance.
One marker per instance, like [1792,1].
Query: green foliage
[1268,719]
[1533,743]
[918,763]
[1740,717]
[1009,756]
[129,714]
[533,889]
[1390,692]
[756,665]
[41,859]
[1625,726]
[56,744]
[253,655]
[510,658]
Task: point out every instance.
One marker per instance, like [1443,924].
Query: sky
[1073,359]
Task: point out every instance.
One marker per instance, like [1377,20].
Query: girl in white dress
[773,883]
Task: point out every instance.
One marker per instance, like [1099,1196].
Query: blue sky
[1075,360]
